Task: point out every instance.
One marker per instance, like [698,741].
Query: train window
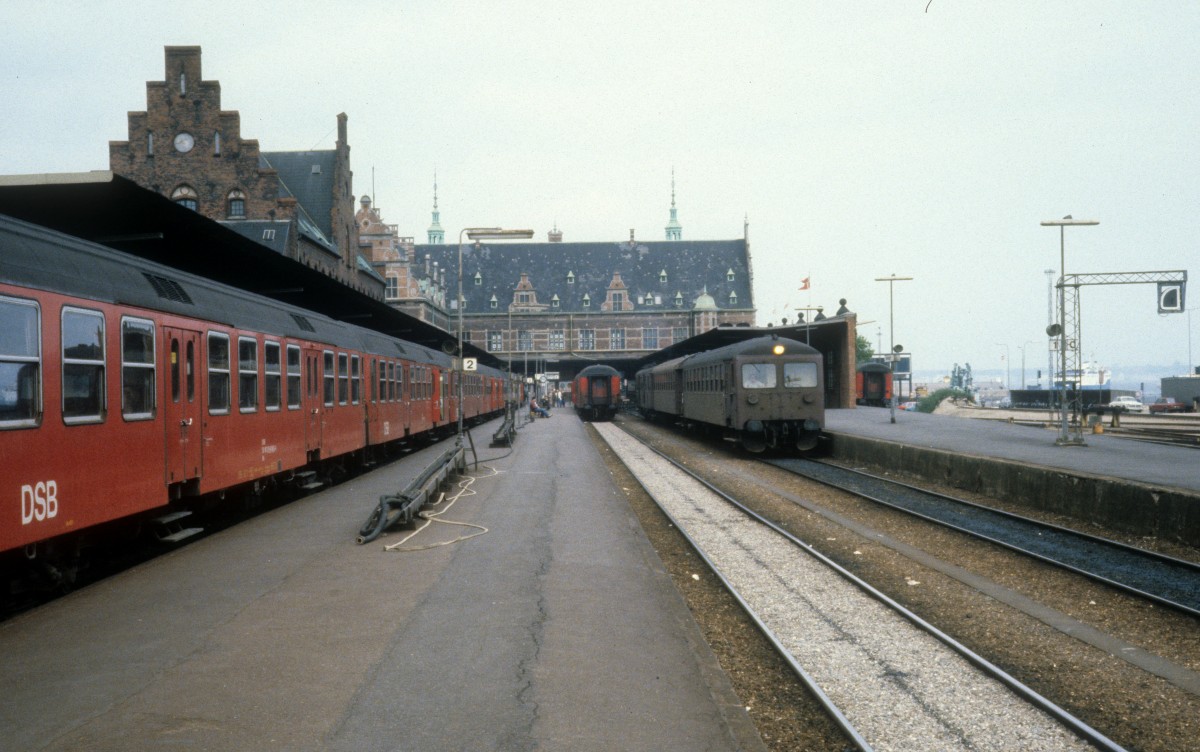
[397,381]
[247,375]
[272,376]
[218,373]
[82,366]
[343,378]
[176,364]
[800,374]
[758,375]
[330,379]
[355,379]
[189,371]
[137,369]
[20,363]
[293,377]
[387,381]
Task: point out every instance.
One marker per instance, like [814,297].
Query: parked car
[1168,405]
[1128,404]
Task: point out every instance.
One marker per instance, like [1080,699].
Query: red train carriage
[126,386]
[873,384]
[597,392]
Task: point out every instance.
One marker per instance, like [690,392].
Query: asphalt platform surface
[557,629]
[1104,456]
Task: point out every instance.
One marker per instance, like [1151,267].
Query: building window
[392,291]
[558,340]
[650,338]
[247,375]
[732,298]
[662,276]
[185,195]
[587,300]
[82,365]
[617,339]
[495,341]
[218,373]
[217,144]
[554,302]
[20,363]
[493,302]
[236,204]
[678,300]
[524,340]
[137,370]
[587,339]
[182,84]
[729,276]
[478,279]
[150,144]
[570,278]
[678,334]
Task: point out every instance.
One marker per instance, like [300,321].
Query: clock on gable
[184,142]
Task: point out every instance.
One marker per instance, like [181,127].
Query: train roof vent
[303,323]
[168,289]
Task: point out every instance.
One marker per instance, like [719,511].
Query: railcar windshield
[758,376]
[799,375]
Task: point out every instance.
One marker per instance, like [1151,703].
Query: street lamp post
[1024,382]
[891,280]
[474,233]
[1064,439]
[1007,365]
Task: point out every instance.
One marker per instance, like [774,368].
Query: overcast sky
[924,138]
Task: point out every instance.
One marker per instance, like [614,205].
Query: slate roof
[312,190]
[691,266]
[256,230]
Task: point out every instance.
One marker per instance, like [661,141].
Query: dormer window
[185,195]
[479,280]
[662,276]
[732,298]
[678,300]
[236,204]
[494,303]
[729,275]
[587,300]
[554,302]
[570,278]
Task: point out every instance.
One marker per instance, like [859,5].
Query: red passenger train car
[597,393]
[129,390]
[873,385]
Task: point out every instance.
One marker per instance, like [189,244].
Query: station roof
[111,210]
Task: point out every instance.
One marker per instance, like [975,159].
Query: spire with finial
[436,235]
[674,229]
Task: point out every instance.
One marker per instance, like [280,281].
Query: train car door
[183,404]
[314,400]
[439,394]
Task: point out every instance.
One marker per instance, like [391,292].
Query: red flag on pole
[804,283]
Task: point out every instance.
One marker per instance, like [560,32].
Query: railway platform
[550,624]
[1132,486]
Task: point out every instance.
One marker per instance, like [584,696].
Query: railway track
[890,679]
[1171,582]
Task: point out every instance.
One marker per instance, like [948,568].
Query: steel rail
[1182,565]
[1075,725]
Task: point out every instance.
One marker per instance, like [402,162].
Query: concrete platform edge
[1124,505]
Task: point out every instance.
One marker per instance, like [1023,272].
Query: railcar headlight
[777,349]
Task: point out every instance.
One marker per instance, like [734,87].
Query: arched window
[236,204]
[185,195]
